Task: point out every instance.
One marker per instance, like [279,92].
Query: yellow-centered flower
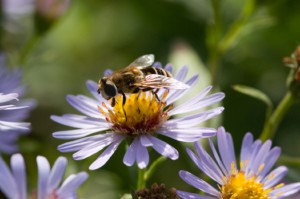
[253,179]
[139,121]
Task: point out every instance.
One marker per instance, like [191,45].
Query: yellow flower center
[240,186]
[141,114]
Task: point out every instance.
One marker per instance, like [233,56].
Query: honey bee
[139,76]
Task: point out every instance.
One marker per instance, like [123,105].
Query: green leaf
[255,93]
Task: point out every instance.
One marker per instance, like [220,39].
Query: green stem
[27,48]
[144,175]
[237,26]
[214,36]
[289,161]
[141,183]
[272,123]
[153,167]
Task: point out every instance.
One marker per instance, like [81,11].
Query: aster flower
[252,179]
[141,120]
[13,180]
[17,7]
[12,110]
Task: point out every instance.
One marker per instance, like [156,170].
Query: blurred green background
[94,35]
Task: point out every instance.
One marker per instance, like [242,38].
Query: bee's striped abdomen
[152,70]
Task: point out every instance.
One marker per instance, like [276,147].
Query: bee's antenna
[113,102]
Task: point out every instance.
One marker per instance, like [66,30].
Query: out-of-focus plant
[45,13]
[101,33]
[222,37]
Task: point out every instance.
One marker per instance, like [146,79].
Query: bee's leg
[113,102]
[123,103]
[138,95]
[155,93]
[124,98]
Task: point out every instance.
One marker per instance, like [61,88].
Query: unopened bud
[293,79]
[158,191]
[49,11]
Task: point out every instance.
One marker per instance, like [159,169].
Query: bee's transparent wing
[143,61]
[160,81]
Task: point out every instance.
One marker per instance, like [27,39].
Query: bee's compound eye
[110,89]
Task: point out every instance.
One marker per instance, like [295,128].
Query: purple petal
[18,170]
[192,120]
[8,97]
[74,134]
[163,148]
[70,185]
[169,68]
[142,156]
[272,157]
[205,163]
[254,150]
[246,149]
[198,183]
[43,173]
[188,134]
[181,74]
[75,145]
[217,158]
[157,65]
[84,107]
[196,98]
[177,94]
[130,155]
[56,173]
[80,122]
[96,146]
[8,184]
[105,156]
[260,156]
[145,141]
[187,195]
[193,105]
[275,177]
[285,191]
[226,149]
[93,87]
[108,72]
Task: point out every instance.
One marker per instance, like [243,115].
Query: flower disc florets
[239,186]
[141,114]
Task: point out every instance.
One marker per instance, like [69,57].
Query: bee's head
[107,88]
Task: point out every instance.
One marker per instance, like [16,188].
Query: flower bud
[49,11]
[293,79]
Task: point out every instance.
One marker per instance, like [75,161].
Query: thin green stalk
[213,64]
[214,36]
[141,183]
[153,167]
[237,26]
[272,123]
[289,161]
[27,48]
[144,175]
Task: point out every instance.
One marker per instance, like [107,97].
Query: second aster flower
[251,179]
[141,120]
[50,180]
